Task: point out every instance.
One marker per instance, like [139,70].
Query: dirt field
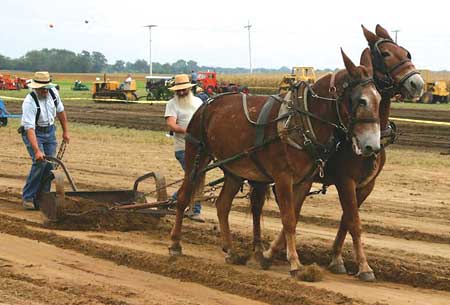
[406,223]
[150,117]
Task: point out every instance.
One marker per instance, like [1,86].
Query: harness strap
[244,105]
[38,106]
[306,120]
[262,120]
[260,166]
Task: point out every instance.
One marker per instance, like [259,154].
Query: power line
[248,27]
[396,31]
[150,26]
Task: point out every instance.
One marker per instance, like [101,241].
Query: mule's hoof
[367,276]
[175,250]
[337,269]
[235,259]
[265,263]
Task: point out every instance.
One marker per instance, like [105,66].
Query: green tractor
[79,86]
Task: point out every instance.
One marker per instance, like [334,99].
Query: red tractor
[8,83]
[208,81]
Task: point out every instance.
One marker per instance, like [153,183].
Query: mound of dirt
[84,214]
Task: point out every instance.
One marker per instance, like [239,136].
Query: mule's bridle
[388,83]
[347,89]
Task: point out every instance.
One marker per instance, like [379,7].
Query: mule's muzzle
[412,86]
[365,149]
[370,150]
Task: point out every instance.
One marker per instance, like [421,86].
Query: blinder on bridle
[353,105]
[379,64]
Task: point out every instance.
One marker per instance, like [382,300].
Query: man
[194,78]
[39,109]
[201,94]
[126,85]
[179,111]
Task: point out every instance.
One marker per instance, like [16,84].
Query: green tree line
[65,61]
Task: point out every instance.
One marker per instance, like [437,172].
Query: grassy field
[258,84]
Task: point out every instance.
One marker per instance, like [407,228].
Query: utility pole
[150,26]
[396,31]
[248,26]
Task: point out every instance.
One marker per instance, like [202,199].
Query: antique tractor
[79,86]
[111,90]
[157,88]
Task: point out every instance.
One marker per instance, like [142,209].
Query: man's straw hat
[181,82]
[41,79]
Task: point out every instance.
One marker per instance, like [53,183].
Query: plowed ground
[151,117]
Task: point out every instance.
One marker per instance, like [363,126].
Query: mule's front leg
[348,199]
[300,192]
[230,188]
[337,262]
[284,189]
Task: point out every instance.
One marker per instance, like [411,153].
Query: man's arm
[63,120]
[171,122]
[38,154]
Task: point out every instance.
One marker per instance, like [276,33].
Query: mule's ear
[382,32]
[370,37]
[349,65]
[366,61]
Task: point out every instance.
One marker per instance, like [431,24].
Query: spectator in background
[201,94]
[194,78]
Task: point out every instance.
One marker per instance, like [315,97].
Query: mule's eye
[385,54]
[362,102]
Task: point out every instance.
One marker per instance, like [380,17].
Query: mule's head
[393,68]
[359,106]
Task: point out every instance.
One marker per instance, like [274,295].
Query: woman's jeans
[38,177]
[180,157]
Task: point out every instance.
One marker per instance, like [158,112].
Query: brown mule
[346,101]
[354,175]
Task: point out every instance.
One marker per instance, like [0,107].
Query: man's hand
[66,137]
[38,156]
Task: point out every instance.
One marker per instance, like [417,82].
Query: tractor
[7,83]
[434,91]
[157,88]
[208,81]
[107,89]
[79,86]
[306,74]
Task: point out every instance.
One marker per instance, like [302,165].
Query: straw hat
[41,79]
[199,89]
[181,82]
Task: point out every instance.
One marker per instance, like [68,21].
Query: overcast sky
[283,33]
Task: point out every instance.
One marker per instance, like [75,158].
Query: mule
[295,139]
[354,175]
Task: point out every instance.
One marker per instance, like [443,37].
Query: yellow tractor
[306,74]
[107,89]
[434,91]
